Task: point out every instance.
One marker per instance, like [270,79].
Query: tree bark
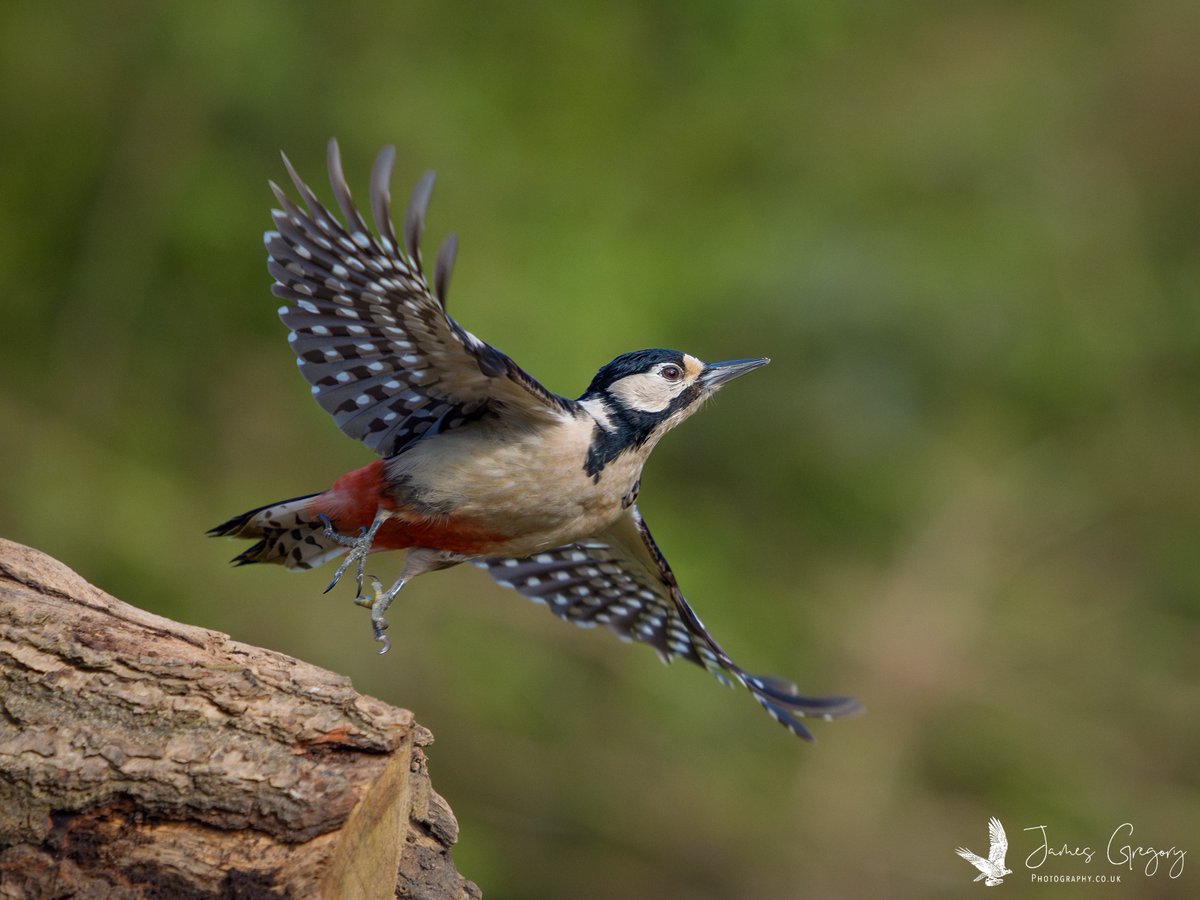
[141,757]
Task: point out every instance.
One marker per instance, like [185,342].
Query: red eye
[671,373]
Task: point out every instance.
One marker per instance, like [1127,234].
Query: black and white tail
[289,535]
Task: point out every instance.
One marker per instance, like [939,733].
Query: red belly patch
[355,498]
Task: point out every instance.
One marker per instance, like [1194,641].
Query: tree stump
[141,757]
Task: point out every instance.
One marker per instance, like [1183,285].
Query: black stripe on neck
[628,428]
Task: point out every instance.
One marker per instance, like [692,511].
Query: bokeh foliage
[967,490]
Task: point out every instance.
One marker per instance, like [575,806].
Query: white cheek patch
[645,393]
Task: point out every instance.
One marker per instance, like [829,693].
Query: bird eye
[671,373]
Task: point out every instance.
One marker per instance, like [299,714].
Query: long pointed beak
[716,374]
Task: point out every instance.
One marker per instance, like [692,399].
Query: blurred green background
[966,491]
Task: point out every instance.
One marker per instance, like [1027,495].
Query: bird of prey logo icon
[992,868]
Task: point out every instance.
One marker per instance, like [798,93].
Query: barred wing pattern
[620,579]
[374,341]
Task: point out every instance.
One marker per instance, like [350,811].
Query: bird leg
[417,561]
[359,548]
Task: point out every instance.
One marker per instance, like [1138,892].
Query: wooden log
[140,757]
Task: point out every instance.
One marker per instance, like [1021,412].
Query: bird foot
[359,546]
[378,606]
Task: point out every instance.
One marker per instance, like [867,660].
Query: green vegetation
[967,490]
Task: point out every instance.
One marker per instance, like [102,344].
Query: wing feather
[999,841]
[977,861]
[370,336]
[620,579]
[341,191]
[381,202]
[414,216]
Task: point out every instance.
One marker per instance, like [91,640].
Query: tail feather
[288,535]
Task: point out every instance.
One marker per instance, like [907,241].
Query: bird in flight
[478,462]
[991,868]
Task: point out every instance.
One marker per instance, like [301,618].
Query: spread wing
[977,861]
[999,839]
[620,579]
[373,340]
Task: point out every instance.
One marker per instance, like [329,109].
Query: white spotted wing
[370,335]
[619,579]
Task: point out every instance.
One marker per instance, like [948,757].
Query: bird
[477,462]
[992,868]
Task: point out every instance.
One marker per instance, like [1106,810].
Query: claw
[415,562]
[338,536]
[359,548]
[378,606]
[379,627]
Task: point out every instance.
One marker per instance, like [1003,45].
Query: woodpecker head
[640,396]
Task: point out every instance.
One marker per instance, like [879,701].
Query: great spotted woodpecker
[478,461]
